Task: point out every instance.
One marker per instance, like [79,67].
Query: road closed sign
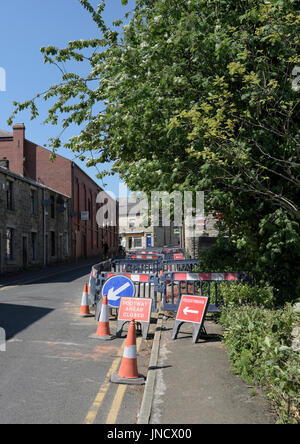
[191,309]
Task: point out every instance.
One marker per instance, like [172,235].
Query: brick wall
[33,161]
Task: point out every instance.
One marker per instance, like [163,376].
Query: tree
[197,95]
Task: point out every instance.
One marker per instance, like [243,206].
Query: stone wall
[204,238]
[38,220]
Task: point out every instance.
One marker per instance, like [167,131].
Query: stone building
[35,223]
[32,161]
[135,235]
[201,237]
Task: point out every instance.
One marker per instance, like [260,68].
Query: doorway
[149,241]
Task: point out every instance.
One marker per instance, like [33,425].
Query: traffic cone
[89,287]
[103,330]
[128,372]
[85,307]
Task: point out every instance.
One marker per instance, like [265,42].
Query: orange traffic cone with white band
[128,372]
[89,287]
[85,307]
[103,330]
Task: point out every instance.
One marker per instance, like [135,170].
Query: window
[9,243]
[9,195]
[32,202]
[137,242]
[53,245]
[34,246]
[52,210]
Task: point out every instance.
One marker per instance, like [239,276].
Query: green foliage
[238,294]
[271,254]
[259,344]
[223,256]
[197,95]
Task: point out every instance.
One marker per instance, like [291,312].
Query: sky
[25,27]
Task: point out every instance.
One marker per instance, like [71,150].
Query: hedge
[261,347]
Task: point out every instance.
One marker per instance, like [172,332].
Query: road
[51,371]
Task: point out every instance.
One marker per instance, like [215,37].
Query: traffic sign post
[138,309]
[192,309]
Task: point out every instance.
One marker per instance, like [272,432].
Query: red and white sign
[138,309]
[178,256]
[192,309]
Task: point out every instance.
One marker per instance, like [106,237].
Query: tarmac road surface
[51,371]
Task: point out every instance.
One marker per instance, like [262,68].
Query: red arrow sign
[192,309]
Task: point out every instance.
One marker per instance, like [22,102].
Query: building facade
[35,223]
[32,161]
[201,237]
[134,234]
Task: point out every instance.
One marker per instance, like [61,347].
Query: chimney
[19,141]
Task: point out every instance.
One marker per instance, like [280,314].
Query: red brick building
[33,161]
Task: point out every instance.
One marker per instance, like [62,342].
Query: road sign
[135,308]
[85,215]
[191,309]
[178,256]
[138,309]
[116,287]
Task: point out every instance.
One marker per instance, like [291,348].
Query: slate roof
[4,134]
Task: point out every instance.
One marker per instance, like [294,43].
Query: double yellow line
[118,399]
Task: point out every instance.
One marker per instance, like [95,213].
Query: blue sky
[26,26]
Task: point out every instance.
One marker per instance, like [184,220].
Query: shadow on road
[61,273]
[15,318]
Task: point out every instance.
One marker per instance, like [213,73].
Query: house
[134,232]
[32,161]
[35,223]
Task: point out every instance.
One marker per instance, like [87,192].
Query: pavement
[194,384]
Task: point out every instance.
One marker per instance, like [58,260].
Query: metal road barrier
[145,286]
[173,285]
[163,281]
[147,251]
[179,265]
[153,256]
[152,266]
[96,269]
[173,250]
[174,256]
[136,265]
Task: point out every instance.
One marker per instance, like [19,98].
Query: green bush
[241,293]
[260,348]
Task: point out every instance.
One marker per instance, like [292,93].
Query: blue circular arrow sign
[117,286]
